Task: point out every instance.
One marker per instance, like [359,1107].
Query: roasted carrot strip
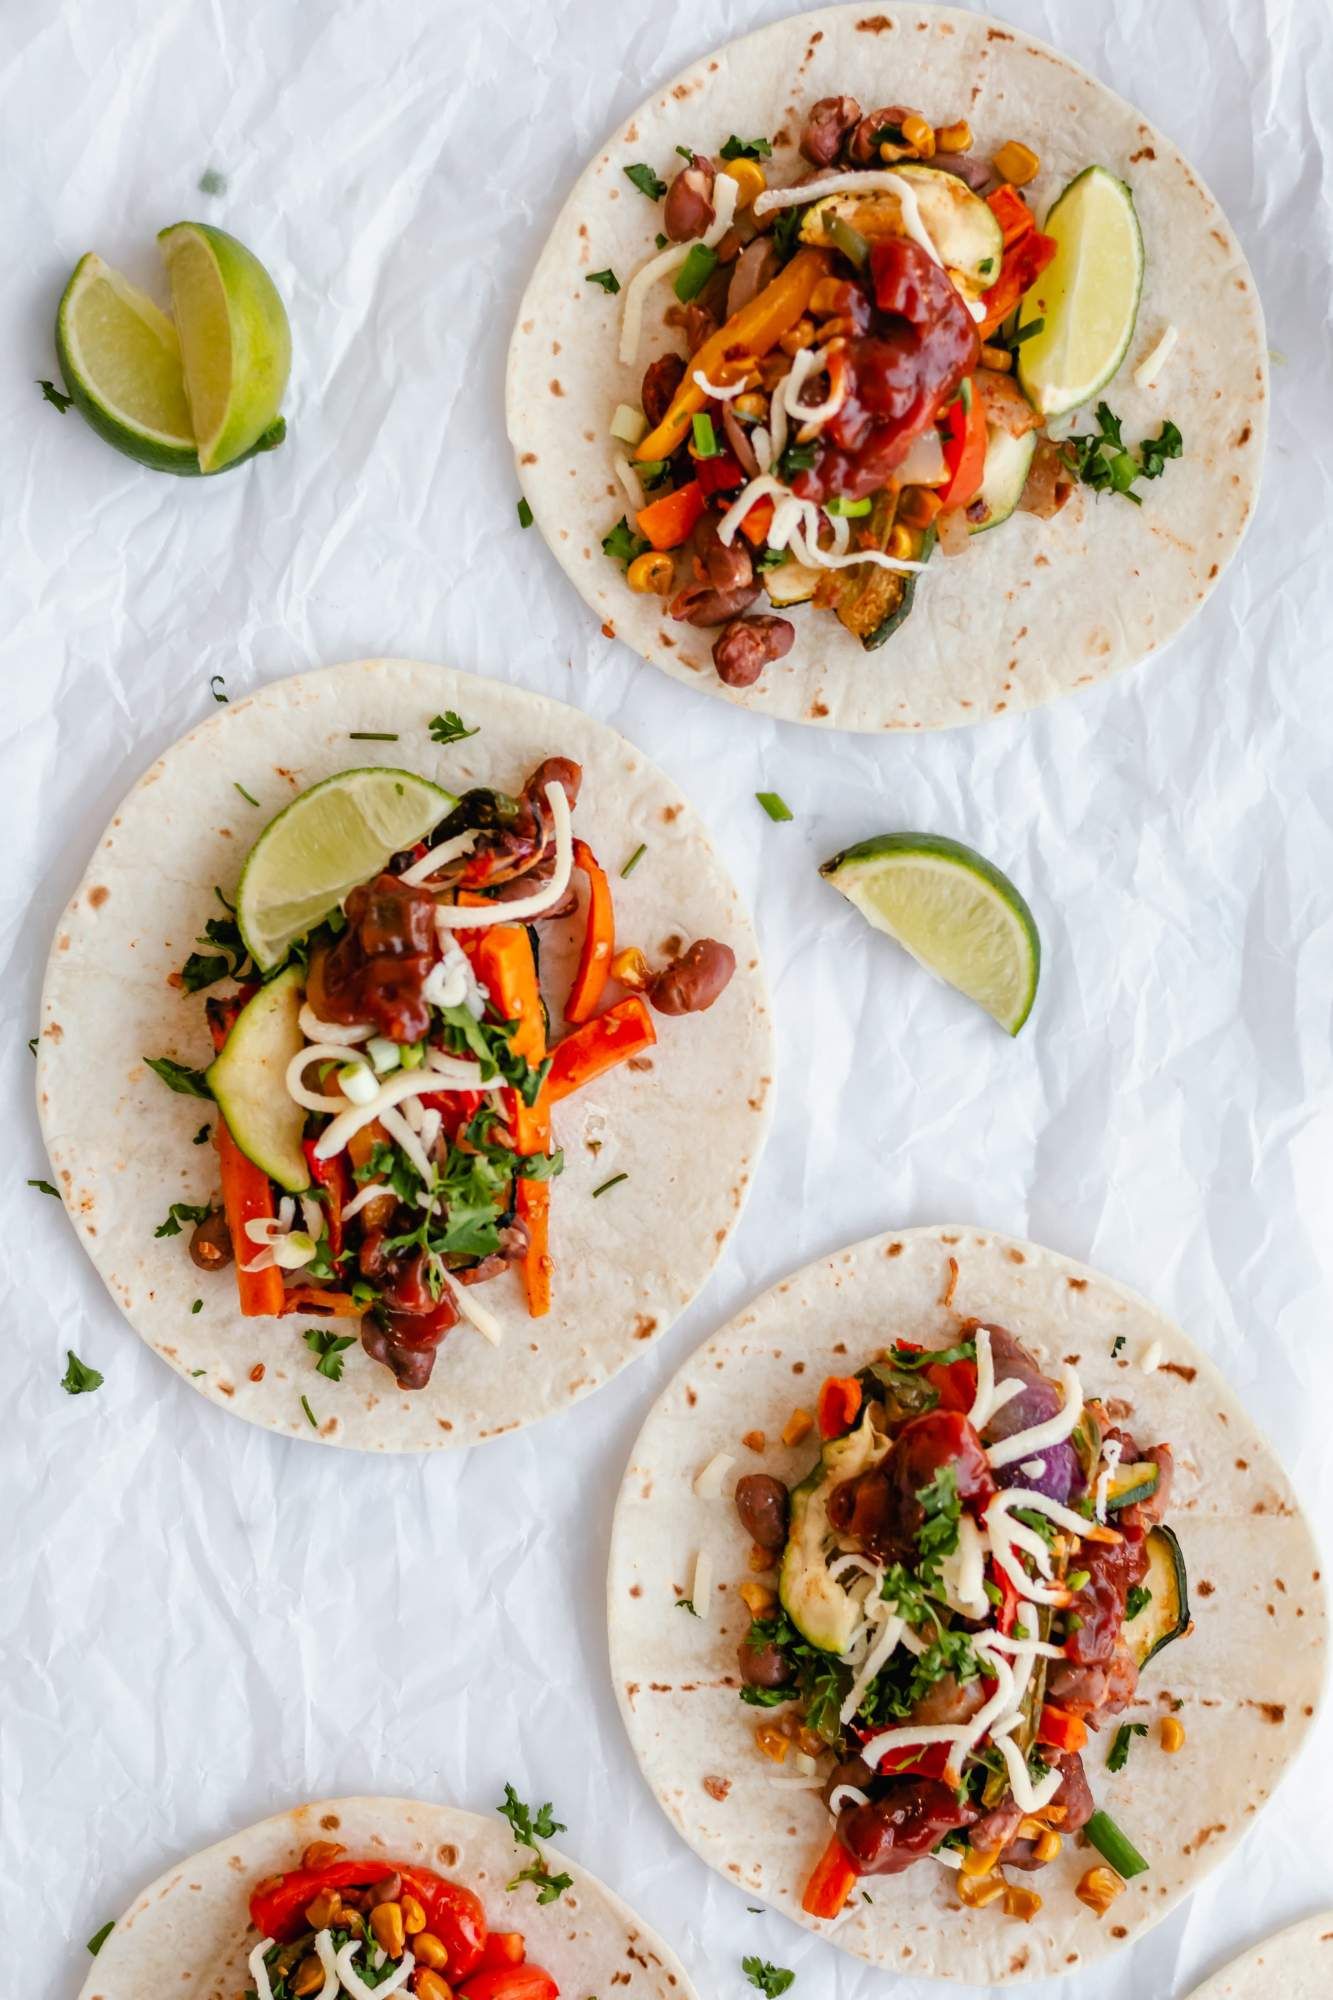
[599,939]
[505,966]
[623,1031]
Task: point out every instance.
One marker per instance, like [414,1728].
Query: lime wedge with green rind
[249,1081]
[339,833]
[953,911]
[236,344]
[121,361]
[1088,295]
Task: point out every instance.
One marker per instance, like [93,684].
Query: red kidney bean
[693,981]
[744,647]
[830,120]
[661,380]
[761,1502]
[688,209]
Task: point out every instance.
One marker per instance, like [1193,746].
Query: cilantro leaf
[937,1537]
[550,1888]
[646,181]
[769,1979]
[526,1826]
[607,279]
[1118,1755]
[1103,461]
[99,1938]
[54,396]
[45,1187]
[1135,1599]
[79,1380]
[182,1211]
[746,149]
[622,544]
[686,1604]
[176,1076]
[450,727]
[330,1347]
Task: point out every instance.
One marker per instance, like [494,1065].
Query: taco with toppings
[357,1897]
[467,1013]
[897,284]
[964,1530]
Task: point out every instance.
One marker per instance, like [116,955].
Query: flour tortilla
[120,1141]
[1296,1963]
[1033,609]
[1248,1678]
[189,1933]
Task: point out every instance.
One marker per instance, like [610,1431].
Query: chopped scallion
[705,437]
[695,272]
[774,805]
[614,1181]
[634,859]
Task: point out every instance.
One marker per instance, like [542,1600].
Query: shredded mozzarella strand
[840,1795]
[795,525]
[718,393]
[1006,1535]
[1152,363]
[708,1483]
[439,857]
[1033,1468]
[983,1403]
[294,1078]
[316,1030]
[963,1574]
[725,193]
[876,1660]
[523,908]
[404,1137]
[485,1322]
[1111,1451]
[258,1969]
[701,1594]
[631,482]
[1053,1431]
[356,1986]
[328,1958]
[362,1200]
[1151,1358]
[962,1735]
[402,1083]
[1028,1796]
[449,979]
[948,1856]
[876,180]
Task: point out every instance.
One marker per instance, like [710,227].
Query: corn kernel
[750,180]
[414,1917]
[321,1852]
[630,968]
[1016,163]
[978,1891]
[428,1950]
[321,1913]
[1173,1735]
[1048,1846]
[759,1558]
[801,335]
[810,1741]
[758,1599]
[918,506]
[902,543]
[309,1978]
[386,1922]
[999,358]
[1099,1889]
[772,1742]
[1021,1903]
[979,1860]
[429,1986]
[652,573]
[956,138]
[751,404]
[755,1441]
[919,135]
[798,1425]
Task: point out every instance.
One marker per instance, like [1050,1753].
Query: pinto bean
[695,321]
[762,1503]
[411,1366]
[210,1242]
[743,648]
[555,771]
[830,120]
[755,266]
[661,379]
[965,167]
[763,1666]
[688,208]
[863,146]
[851,1771]
[699,604]
[693,981]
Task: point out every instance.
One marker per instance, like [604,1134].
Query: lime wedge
[337,834]
[249,1081]
[955,913]
[121,362]
[235,340]
[1088,295]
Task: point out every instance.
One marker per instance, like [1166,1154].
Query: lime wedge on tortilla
[1088,295]
[952,910]
[314,853]
[236,344]
[121,361]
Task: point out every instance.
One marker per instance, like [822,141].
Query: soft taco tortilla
[1033,609]
[190,1932]
[1296,1963]
[1243,1682]
[121,1142]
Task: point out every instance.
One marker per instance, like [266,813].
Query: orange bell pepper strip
[247,1196]
[502,1948]
[1061,1730]
[600,1045]
[505,966]
[965,449]
[832,1882]
[839,1402]
[752,331]
[317,1299]
[1011,212]
[667,522]
[756,524]
[599,938]
[1022,266]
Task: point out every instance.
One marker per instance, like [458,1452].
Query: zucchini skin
[903,608]
[1164,1619]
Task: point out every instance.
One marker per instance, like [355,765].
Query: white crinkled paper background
[201,1623]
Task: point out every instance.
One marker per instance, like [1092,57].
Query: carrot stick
[599,939]
[505,966]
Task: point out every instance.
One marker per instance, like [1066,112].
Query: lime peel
[1088,295]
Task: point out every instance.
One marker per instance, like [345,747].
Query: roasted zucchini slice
[1167,1612]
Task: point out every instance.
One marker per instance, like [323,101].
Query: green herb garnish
[769,1979]
[182,1211]
[1136,1600]
[1118,1755]
[450,727]
[622,544]
[774,805]
[330,1347]
[797,458]
[686,1604]
[216,681]
[55,397]
[614,1181]
[99,1938]
[634,860]
[45,1187]
[176,1076]
[249,797]
[607,279]
[646,181]
[746,149]
[309,1414]
[1103,461]
[695,272]
[79,1380]
[528,1829]
[372,735]
[524,514]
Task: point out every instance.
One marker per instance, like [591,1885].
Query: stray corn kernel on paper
[204,1623]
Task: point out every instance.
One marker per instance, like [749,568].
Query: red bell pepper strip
[599,938]
[317,1299]
[505,966]
[839,1402]
[930,1761]
[667,522]
[831,1884]
[1061,1730]
[719,474]
[247,1194]
[955,1383]
[1011,212]
[1006,1616]
[509,1982]
[964,448]
[503,1948]
[332,1176]
[599,1045]
[453,1914]
[1022,266]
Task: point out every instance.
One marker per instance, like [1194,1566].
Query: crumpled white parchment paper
[200,1623]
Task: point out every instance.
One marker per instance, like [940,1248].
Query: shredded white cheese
[1033,1468]
[258,1969]
[356,1986]
[875,180]
[1029,1796]
[725,193]
[983,1403]
[963,1574]
[876,1660]
[708,1483]
[406,1139]
[297,1090]
[631,482]
[316,1030]
[394,1089]
[1111,1451]
[795,526]
[328,1958]
[718,393]
[439,857]
[1053,1431]
[701,1593]
[477,1315]
[462,917]
[841,1795]
[1151,1358]
[363,1199]
[1155,360]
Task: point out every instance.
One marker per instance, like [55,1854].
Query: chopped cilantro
[937,1537]
[528,1828]
[1118,1755]
[1136,1598]
[1103,461]
[99,1938]
[182,1211]
[686,1604]
[176,1076]
[607,279]
[216,681]
[450,727]
[212,182]
[1117,1345]
[330,1347]
[45,1187]
[56,397]
[797,458]
[769,1979]
[79,1380]
[524,514]
[550,1888]
[646,181]
[622,544]
[746,149]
